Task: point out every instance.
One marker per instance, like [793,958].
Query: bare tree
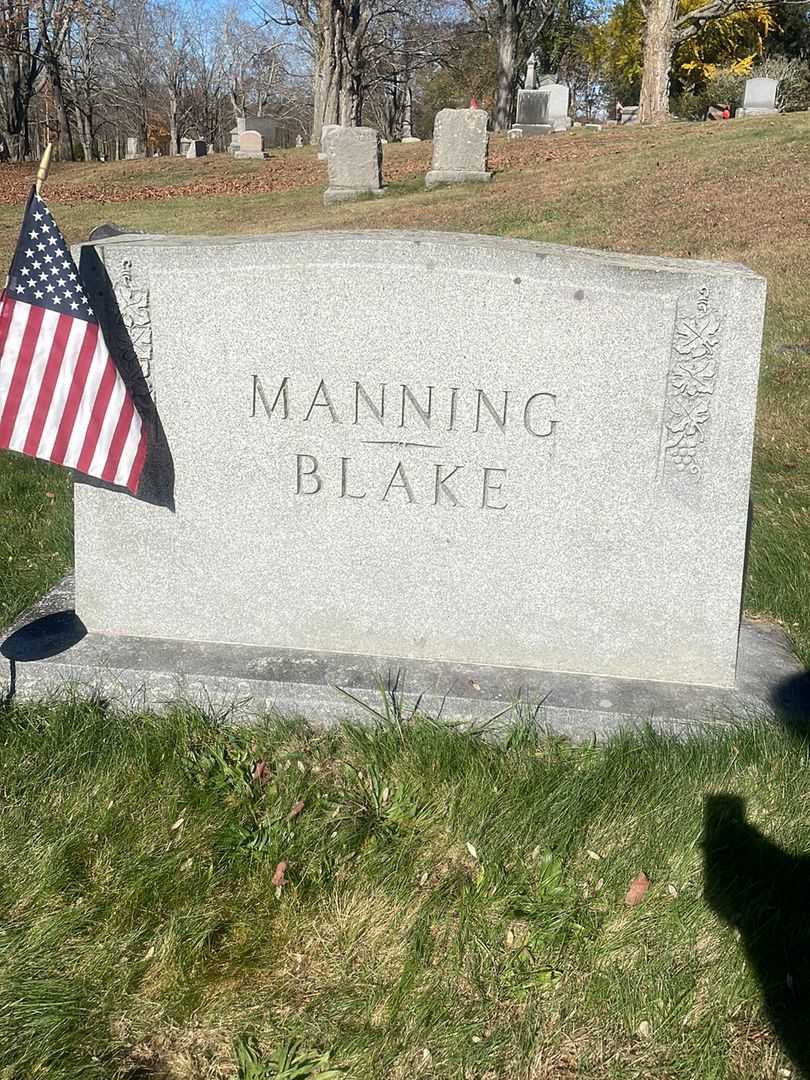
[83,58]
[21,65]
[336,34]
[54,20]
[171,36]
[250,61]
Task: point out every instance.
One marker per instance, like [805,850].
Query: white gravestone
[542,111]
[354,163]
[250,145]
[460,142]
[759,98]
[438,447]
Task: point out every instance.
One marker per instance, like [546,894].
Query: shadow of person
[157,479]
[791,700]
[764,893]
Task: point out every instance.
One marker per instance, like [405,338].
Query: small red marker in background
[473,103]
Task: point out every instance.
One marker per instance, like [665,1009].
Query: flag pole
[44,165]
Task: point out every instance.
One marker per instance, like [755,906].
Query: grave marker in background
[460,141]
[759,99]
[250,145]
[135,148]
[354,163]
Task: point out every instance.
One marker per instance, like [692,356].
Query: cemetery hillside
[193,892]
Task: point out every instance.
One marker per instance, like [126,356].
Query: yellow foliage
[733,42]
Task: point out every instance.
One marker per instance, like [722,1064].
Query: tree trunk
[659,44]
[85,133]
[338,81]
[62,118]
[507,54]
[328,76]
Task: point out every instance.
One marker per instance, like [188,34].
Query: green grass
[450,907]
[36,531]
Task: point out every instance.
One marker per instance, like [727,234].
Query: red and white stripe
[62,398]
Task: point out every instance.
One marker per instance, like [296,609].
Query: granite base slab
[752,113]
[455,176]
[48,652]
[532,130]
[339,195]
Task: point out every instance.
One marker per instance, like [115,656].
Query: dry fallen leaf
[278,876]
[637,890]
[644,1029]
[471,850]
[261,772]
[178,824]
[593,855]
[296,809]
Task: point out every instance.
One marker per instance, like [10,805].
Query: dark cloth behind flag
[61,396]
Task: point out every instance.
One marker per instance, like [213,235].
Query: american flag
[61,396]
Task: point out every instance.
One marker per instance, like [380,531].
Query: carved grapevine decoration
[690,385]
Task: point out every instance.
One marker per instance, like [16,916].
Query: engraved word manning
[435,411]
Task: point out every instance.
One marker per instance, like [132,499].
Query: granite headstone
[531,456]
[354,163]
[759,98]
[542,111]
[250,145]
[460,141]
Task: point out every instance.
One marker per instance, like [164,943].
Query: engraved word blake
[438,483]
[436,409]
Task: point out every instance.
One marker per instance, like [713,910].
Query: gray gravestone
[250,145]
[354,163]
[558,440]
[460,141]
[759,98]
[482,469]
[532,108]
[542,111]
